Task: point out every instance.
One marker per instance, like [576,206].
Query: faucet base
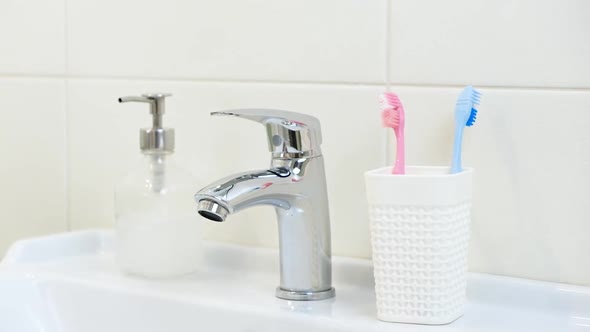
[304,295]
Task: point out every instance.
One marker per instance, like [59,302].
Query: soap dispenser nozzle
[156,138]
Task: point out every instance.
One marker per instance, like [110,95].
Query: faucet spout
[296,188]
[239,191]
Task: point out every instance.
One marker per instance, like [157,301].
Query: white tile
[334,40]
[104,144]
[500,43]
[33,37]
[32,171]
[531,154]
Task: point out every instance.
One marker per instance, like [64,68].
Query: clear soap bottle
[158,232]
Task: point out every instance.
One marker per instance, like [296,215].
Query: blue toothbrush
[465,114]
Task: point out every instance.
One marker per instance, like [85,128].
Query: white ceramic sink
[69,283]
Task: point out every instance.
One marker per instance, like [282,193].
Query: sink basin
[69,283]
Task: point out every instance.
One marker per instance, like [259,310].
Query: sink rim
[85,258]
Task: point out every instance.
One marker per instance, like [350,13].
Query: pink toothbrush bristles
[390,110]
[392,116]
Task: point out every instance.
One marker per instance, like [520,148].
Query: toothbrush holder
[419,232]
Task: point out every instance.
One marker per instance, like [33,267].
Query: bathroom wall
[66,141]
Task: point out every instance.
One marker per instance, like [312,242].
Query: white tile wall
[32,167]
[282,40]
[530,146]
[32,139]
[536,43]
[32,37]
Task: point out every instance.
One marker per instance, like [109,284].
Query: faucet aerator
[212,211]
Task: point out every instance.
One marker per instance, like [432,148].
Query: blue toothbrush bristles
[472,117]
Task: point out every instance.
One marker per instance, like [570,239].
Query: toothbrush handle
[400,158]
[456,164]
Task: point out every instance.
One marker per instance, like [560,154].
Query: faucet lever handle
[290,134]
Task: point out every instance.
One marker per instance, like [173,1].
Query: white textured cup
[419,233]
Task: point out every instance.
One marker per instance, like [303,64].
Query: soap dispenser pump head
[157,138]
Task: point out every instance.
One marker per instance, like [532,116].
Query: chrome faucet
[295,185]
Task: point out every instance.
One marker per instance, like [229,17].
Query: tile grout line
[387,45]
[67,157]
[66,120]
[187,80]
[286,82]
[386,136]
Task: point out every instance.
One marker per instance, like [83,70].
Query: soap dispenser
[158,233]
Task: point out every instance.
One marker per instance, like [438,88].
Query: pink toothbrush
[392,115]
